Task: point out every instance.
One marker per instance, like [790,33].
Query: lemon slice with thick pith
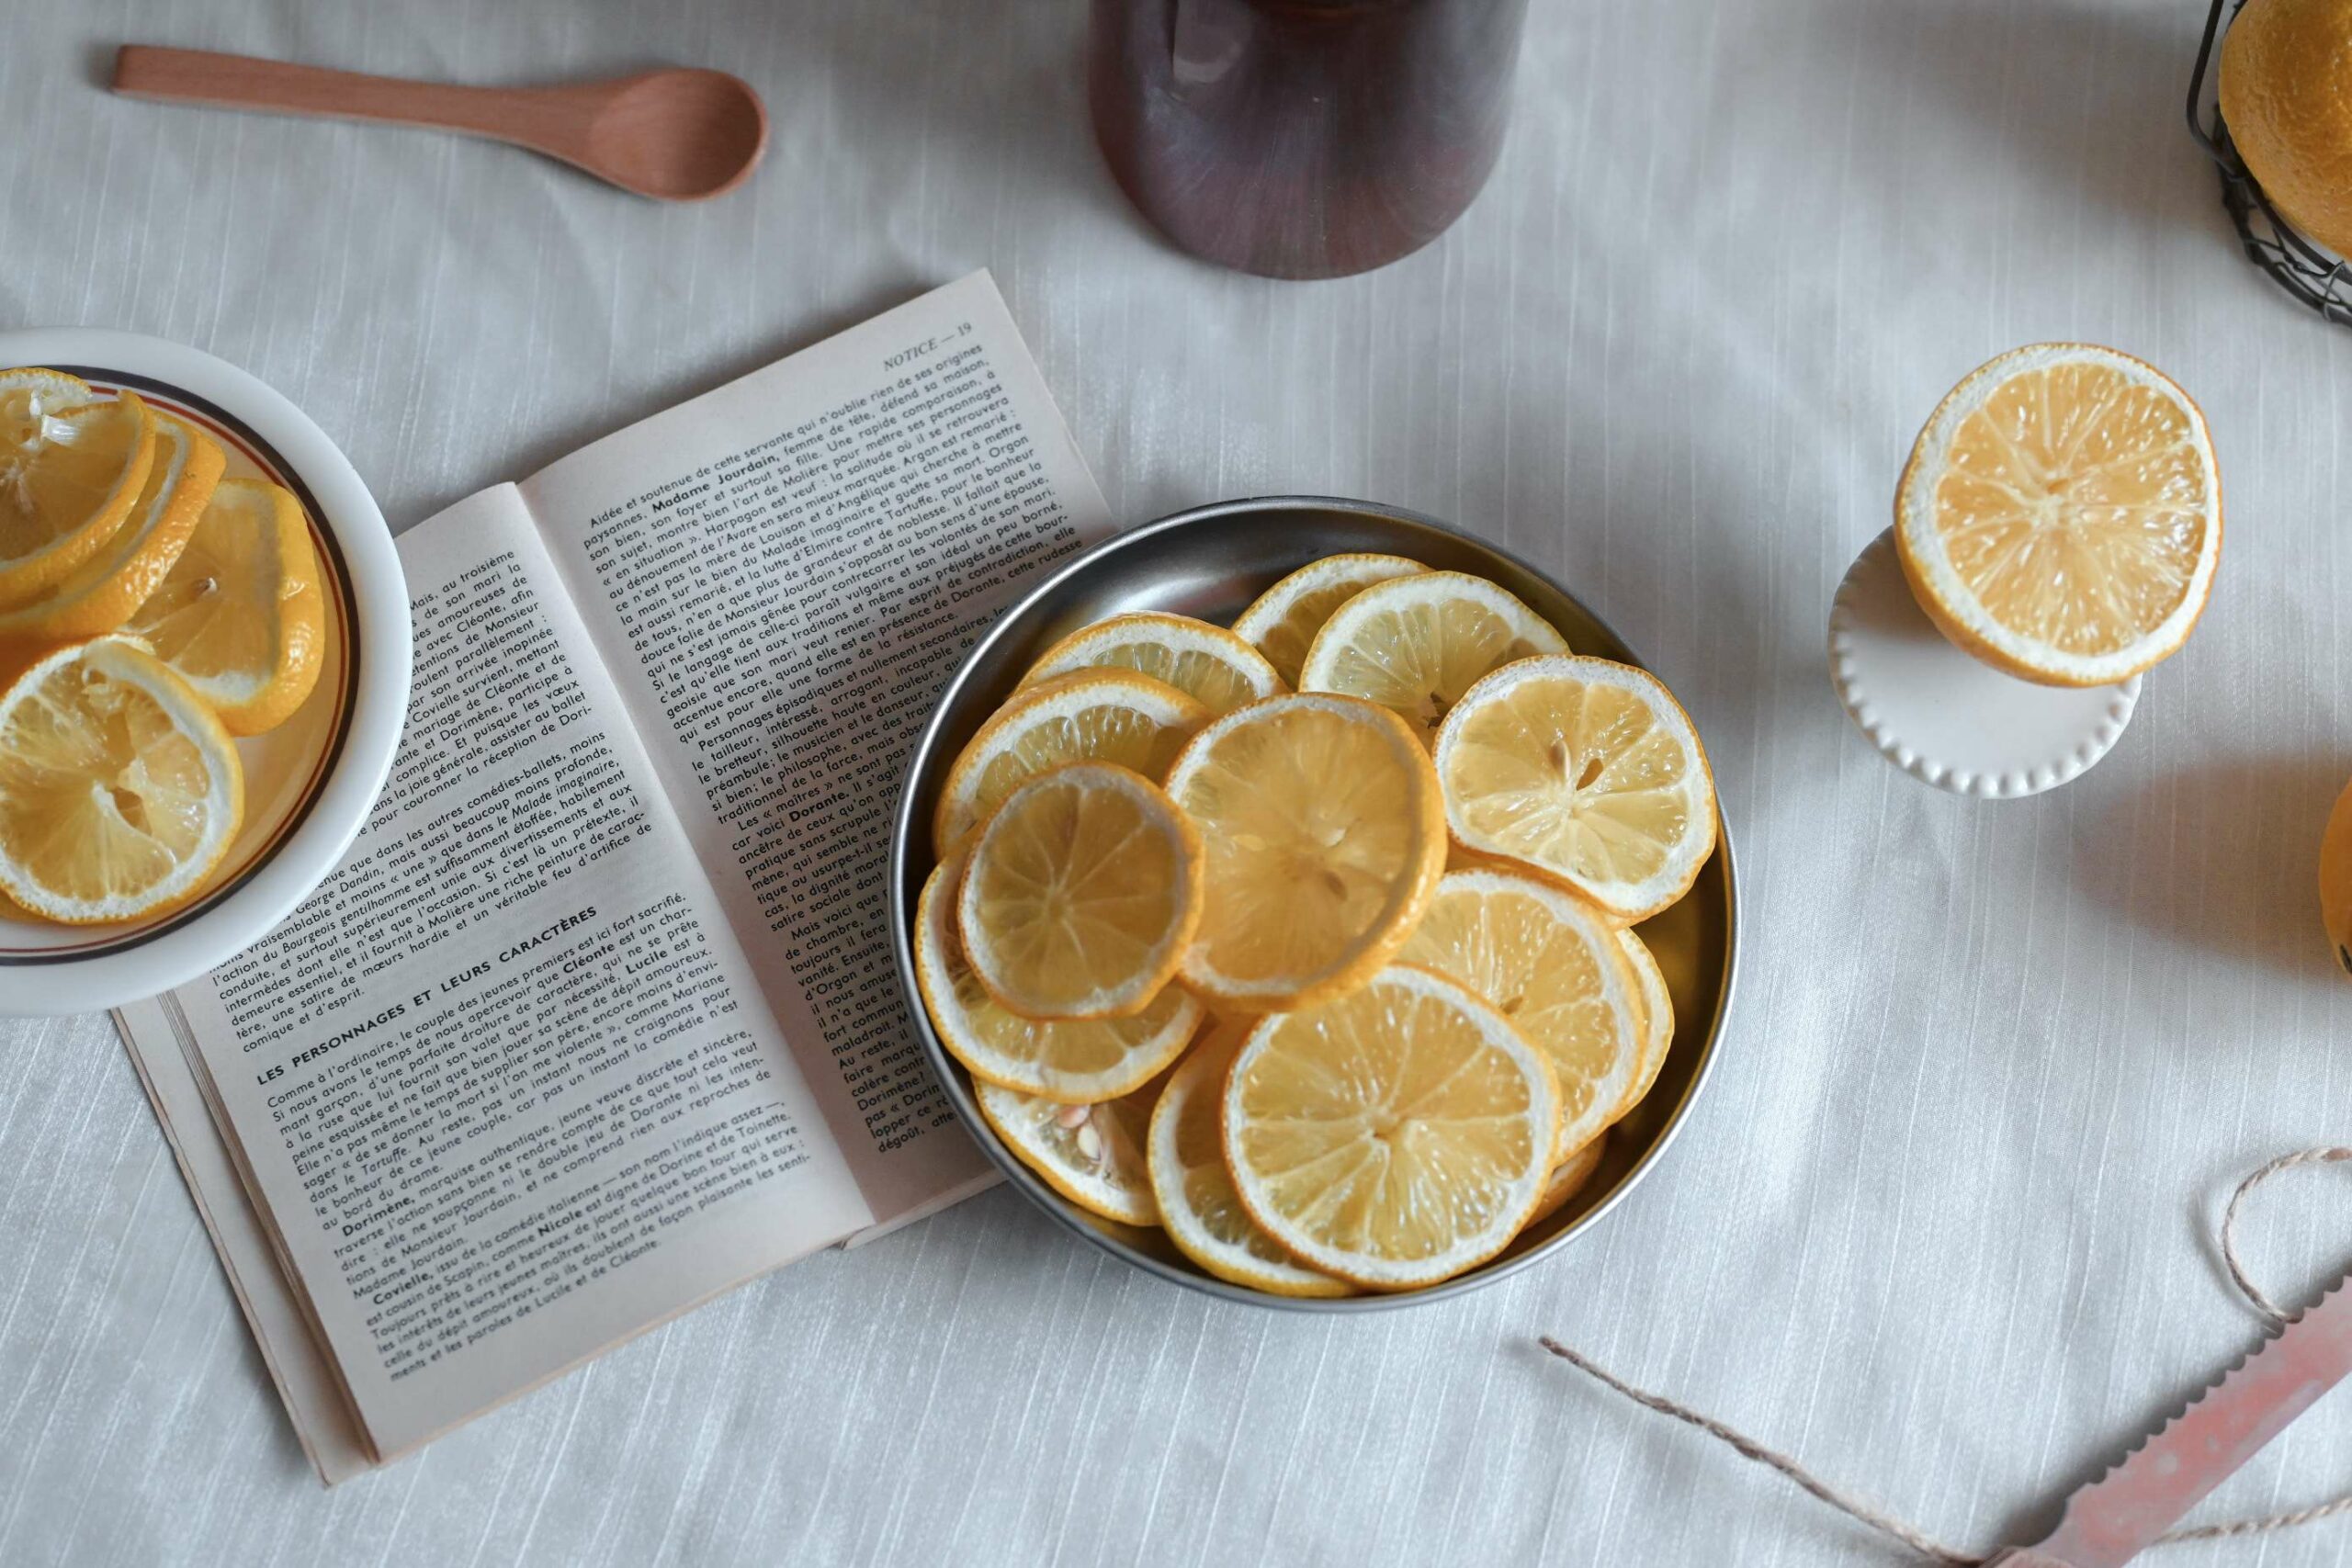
[2061,516]
[1587,770]
[1416,644]
[1082,892]
[241,616]
[1072,1061]
[1206,662]
[1552,965]
[119,791]
[1104,715]
[1201,1211]
[1281,622]
[1394,1137]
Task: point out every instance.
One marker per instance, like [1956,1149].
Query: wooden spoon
[676,134]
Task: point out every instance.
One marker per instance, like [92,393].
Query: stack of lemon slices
[150,611]
[1310,940]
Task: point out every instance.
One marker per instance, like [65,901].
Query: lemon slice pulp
[1416,644]
[1324,838]
[1587,770]
[1394,1137]
[1082,892]
[119,791]
[1546,961]
[2061,516]
[241,616]
[1071,1062]
[71,465]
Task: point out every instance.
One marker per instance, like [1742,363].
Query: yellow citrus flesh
[101,593]
[119,791]
[1203,1215]
[1203,661]
[1082,892]
[1092,1155]
[71,467]
[241,616]
[1586,770]
[1416,644]
[2061,516]
[1568,1179]
[1106,715]
[1394,1137]
[1281,622]
[1324,837]
[2285,96]
[1552,965]
[1657,1021]
[1070,1062]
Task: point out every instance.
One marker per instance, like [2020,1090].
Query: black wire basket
[2294,262]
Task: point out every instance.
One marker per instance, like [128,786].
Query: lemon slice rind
[1953,602]
[1657,1021]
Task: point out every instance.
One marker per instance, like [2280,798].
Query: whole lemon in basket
[2287,94]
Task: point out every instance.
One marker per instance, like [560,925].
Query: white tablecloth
[1940,1223]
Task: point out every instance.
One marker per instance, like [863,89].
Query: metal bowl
[1210,562]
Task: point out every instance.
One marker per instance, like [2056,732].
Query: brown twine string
[1918,1541]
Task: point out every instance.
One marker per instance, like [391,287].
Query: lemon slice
[120,791]
[1107,716]
[1584,769]
[1082,892]
[1657,1021]
[1281,622]
[1193,1189]
[1204,662]
[1394,1137]
[1567,1179]
[70,465]
[2061,516]
[1325,837]
[1416,644]
[101,594]
[1092,1155]
[241,616]
[1080,1063]
[1548,961]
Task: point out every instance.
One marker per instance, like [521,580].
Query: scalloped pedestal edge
[1942,717]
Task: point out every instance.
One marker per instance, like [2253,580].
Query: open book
[597,1018]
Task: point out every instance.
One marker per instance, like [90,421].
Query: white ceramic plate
[310,782]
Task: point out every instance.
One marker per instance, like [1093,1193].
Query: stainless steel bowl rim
[909,838]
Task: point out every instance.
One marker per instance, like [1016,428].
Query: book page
[782,574]
[503,1090]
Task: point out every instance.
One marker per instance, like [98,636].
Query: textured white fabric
[1940,1224]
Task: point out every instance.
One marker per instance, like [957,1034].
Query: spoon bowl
[676,134]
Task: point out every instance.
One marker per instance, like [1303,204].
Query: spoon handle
[530,116]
